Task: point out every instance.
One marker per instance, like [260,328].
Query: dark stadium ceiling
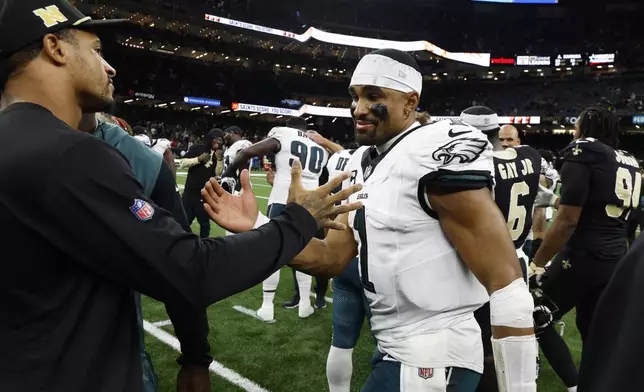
[181,24]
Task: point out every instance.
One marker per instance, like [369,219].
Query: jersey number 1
[359,223]
[301,151]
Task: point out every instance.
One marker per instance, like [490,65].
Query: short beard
[94,104]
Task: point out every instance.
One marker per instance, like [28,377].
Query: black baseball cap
[24,22]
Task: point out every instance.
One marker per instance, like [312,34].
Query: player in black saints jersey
[600,186]
[516,173]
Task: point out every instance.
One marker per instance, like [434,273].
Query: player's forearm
[555,239]
[331,146]
[240,162]
[318,259]
[539,223]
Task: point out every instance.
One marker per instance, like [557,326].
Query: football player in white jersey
[433,245]
[350,305]
[235,142]
[286,143]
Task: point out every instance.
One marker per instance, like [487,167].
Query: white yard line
[249,312]
[215,367]
[327,299]
[162,323]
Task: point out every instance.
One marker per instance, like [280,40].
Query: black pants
[576,279]
[193,205]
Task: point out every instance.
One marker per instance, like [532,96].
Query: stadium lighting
[238,59]
[277,65]
[279,116]
[611,66]
[334,120]
[315,69]
[330,71]
[224,111]
[193,52]
[496,78]
[558,69]
[226,58]
[303,68]
[599,67]
[328,104]
[162,105]
[445,73]
[172,103]
[502,72]
[197,108]
[254,114]
[637,126]
[529,126]
[563,126]
[526,70]
[128,101]
[490,73]
[271,47]
[539,70]
[288,66]
[433,74]
[568,69]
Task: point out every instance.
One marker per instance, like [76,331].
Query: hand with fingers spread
[234,213]
[320,203]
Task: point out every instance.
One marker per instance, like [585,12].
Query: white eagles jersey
[143,138]
[422,296]
[161,144]
[338,162]
[231,152]
[295,144]
[338,165]
[550,173]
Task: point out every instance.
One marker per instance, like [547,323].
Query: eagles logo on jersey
[464,149]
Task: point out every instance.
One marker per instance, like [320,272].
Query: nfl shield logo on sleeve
[425,373]
[142,210]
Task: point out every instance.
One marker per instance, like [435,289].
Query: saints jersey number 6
[517,212]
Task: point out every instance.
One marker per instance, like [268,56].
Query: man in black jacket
[201,163]
[83,236]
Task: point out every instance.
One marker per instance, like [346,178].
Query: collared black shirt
[78,237]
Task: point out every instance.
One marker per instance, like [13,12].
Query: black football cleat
[320,302]
[293,303]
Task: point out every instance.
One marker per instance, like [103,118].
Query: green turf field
[287,356]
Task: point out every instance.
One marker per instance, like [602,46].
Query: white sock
[270,286]
[572,389]
[304,284]
[339,367]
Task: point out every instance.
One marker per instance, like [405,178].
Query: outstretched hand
[320,202]
[234,213]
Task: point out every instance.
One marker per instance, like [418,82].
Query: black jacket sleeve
[95,211]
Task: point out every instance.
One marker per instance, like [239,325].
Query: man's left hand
[194,379]
[235,213]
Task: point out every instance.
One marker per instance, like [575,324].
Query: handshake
[239,212]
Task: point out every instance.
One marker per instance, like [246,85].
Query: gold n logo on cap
[50,15]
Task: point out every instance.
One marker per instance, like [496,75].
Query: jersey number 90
[627,190]
[312,162]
